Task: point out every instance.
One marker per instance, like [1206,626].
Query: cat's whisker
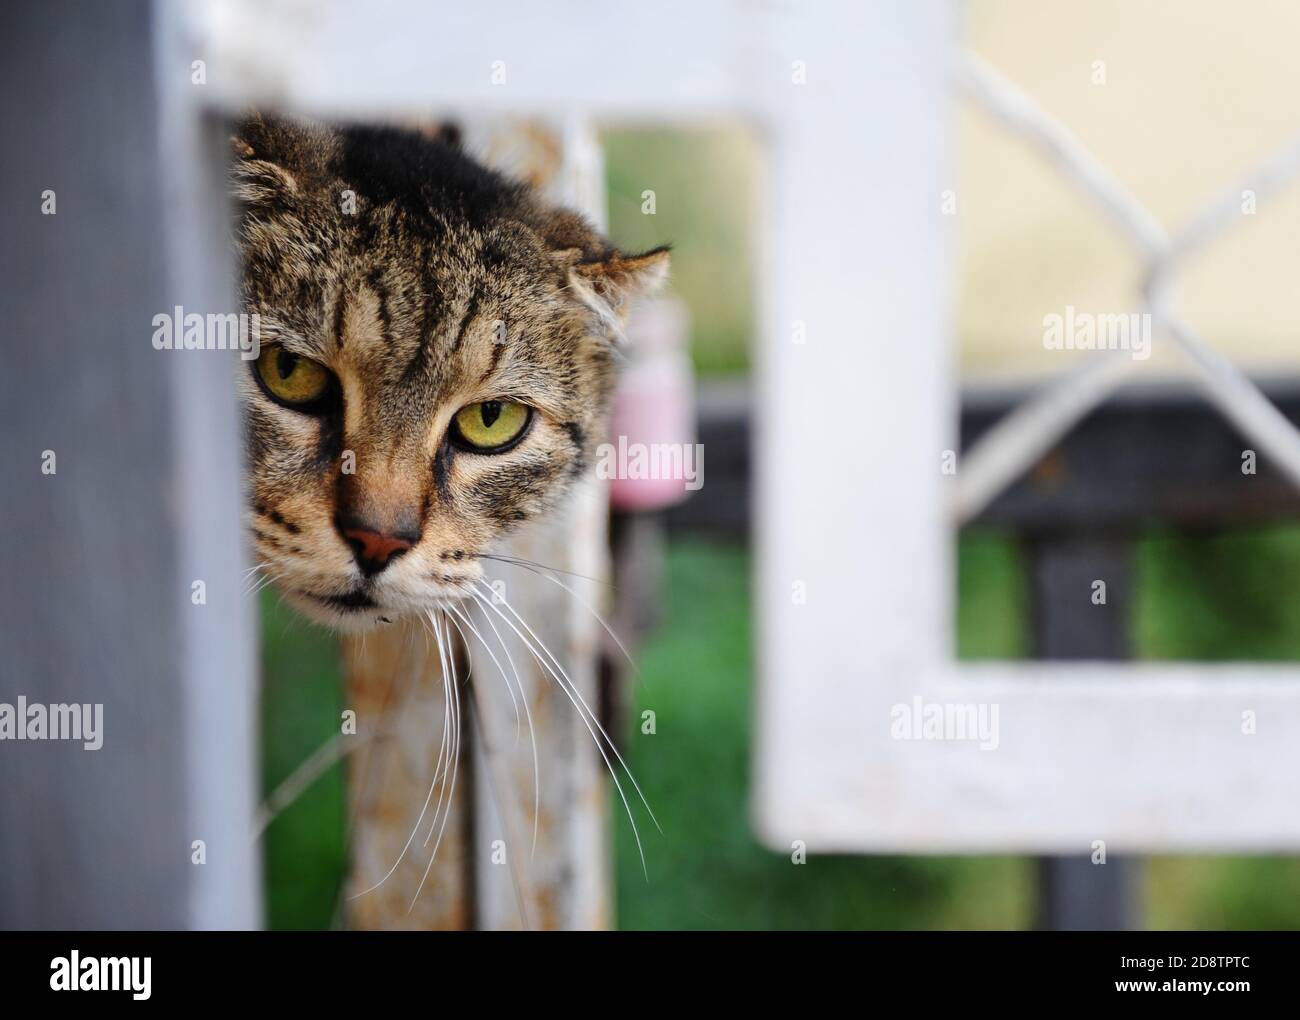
[544,572]
[580,706]
[448,754]
[251,578]
[532,735]
[394,703]
[515,613]
[265,582]
[488,744]
[514,702]
[262,582]
[453,712]
[600,747]
[480,724]
[450,725]
[312,768]
[447,728]
[437,772]
[518,561]
[447,668]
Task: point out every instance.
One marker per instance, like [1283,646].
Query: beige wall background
[1197,93]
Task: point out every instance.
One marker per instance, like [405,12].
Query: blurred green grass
[704,193]
[707,870]
[301,705]
[1208,598]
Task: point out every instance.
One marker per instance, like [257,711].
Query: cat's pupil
[285,363]
[490,411]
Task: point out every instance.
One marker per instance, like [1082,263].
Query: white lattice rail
[1013,446]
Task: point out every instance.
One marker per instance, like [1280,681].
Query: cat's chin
[359,612]
[338,615]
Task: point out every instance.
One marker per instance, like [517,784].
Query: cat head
[436,360]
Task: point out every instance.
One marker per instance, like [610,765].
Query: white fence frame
[855,521]
[1141,758]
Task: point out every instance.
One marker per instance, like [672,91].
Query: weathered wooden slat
[564,882]
[487,873]
[402,802]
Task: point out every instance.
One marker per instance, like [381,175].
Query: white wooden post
[852,592]
[487,872]
[401,807]
[564,882]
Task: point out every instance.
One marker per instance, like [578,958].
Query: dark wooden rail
[1155,455]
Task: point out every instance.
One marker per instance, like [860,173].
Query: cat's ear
[260,175]
[609,284]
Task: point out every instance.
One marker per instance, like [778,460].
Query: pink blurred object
[651,458]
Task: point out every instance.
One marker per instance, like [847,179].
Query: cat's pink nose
[373,550]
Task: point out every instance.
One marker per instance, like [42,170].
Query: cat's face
[436,362]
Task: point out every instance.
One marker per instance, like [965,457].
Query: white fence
[854,626]
[855,517]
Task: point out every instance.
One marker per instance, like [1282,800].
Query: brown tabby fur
[447,285]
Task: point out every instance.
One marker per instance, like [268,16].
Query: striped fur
[424,282]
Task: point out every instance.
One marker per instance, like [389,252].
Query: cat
[437,355]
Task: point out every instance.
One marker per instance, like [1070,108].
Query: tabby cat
[437,355]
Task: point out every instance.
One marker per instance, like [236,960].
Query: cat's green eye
[491,426]
[290,377]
